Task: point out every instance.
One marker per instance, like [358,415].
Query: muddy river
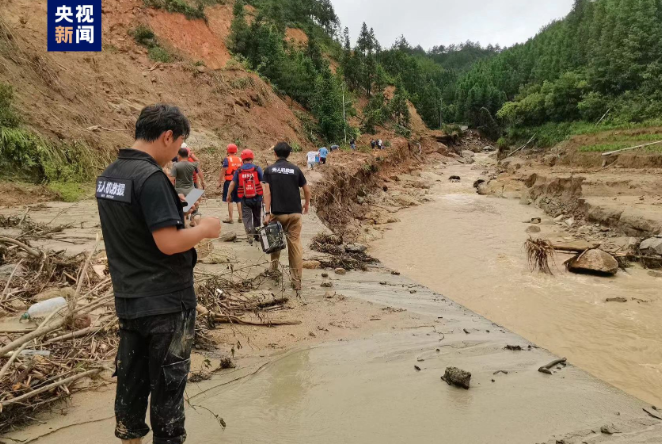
[469,248]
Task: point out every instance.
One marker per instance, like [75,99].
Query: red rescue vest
[234,163]
[249,184]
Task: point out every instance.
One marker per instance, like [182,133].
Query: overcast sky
[434,22]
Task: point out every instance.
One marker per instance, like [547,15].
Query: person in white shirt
[312,156]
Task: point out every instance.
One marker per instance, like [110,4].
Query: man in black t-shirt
[282,202]
[151,258]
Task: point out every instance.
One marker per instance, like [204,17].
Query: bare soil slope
[95,97]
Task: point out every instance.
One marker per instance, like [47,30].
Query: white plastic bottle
[44,308]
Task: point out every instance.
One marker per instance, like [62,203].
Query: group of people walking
[150,244]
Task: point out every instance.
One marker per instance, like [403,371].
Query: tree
[400,106]
[328,106]
[238,29]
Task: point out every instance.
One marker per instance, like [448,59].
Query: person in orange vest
[248,182]
[230,165]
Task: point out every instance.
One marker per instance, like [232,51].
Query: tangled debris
[45,363]
[340,255]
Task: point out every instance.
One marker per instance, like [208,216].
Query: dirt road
[472,253]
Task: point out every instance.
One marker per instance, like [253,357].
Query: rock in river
[594,261]
[355,248]
[651,246]
[458,377]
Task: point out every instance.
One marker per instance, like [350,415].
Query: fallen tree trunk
[547,368]
[272,303]
[631,148]
[31,251]
[226,319]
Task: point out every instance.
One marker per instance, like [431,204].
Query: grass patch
[605,147]
[179,6]
[159,54]
[552,134]
[72,192]
[25,155]
[144,36]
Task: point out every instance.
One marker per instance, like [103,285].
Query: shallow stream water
[470,248]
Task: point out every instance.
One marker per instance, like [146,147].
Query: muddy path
[469,248]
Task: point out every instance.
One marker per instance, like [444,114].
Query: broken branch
[547,368]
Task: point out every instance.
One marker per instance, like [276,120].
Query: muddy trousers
[153,359]
[292,227]
[251,213]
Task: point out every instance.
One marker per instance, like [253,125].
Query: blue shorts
[226,187]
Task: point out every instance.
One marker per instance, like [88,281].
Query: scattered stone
[533,220]
[455,179]
[594,261]
[18,305]
[493,380]
[355,248]
[514,347]
[420,360]
[622,300]
[457,377]
[505,372]
[65,292]
[326,285]
[8,269]
[466,331]
[201,69]
[609,429]
[570,222]
[418,369]
[341,271]
[651,246]
[311,334]
[329,295]
[383,283]
[533,229]
[325,275]
[412,291]
[228,237]
[395,273]
[311,265]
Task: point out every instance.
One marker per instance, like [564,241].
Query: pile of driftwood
[44,360]
[339,254]
[240,302]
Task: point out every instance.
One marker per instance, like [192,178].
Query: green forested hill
[604,57]
[603,60]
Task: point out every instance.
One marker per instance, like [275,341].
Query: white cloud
[435,22]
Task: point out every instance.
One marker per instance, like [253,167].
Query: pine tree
[238,29]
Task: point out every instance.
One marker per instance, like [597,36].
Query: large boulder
[594,261]
[652,246]
[468,156]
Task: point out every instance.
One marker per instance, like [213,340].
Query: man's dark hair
[183,152]
[155,120]
[283,150]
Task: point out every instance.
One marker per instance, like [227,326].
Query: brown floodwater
[470,249]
